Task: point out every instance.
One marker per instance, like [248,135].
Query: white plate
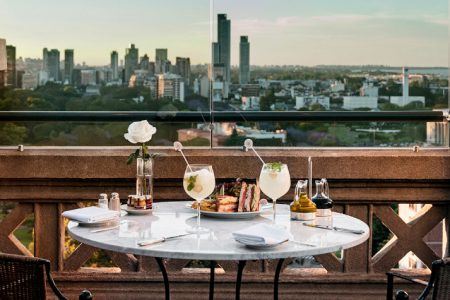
[252,246]
[134,211]
[232,215]
[100,224]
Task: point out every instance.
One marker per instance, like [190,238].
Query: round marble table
[173,218]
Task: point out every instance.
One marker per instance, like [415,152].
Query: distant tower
[161,60]
[115,65]
[3,64]
[52,66]
[216,54]
[144,63]
[11,79]
[405,84]
[183,66]
[131,61]
[244,61]
[44,59]
[68,66]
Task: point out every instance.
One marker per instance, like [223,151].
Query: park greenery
[56,97]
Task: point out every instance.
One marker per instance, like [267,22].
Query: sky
[281,32]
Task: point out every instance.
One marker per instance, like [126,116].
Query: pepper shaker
[114,202]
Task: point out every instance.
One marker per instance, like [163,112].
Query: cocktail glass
[275,181]
[199,182]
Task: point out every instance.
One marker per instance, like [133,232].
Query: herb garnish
[276,166]
[191,182]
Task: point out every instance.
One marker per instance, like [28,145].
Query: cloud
[256,25]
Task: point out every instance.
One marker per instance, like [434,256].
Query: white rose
[140,132]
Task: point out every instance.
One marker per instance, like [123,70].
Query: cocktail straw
[248,144]
[179,147]
[310,176]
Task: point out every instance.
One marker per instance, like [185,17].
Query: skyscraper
[216,55]
[224,41]
[160,54]
[161,59]
[68,66]
[244,60]
[144,63]
[52,64]
[131,61]
[44,58]
[115,65]
[222,55]
[183,66]
[11,78]
[3,64]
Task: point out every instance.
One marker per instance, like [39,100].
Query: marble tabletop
[172,218]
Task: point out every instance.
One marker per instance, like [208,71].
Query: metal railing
[223,116]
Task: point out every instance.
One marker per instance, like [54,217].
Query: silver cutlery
[335,228]
[161,240]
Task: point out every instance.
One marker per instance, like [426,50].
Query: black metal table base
[212,268]
[277,278]
[162,267]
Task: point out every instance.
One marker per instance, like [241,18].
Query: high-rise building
[183,67]
[68,66]
[222,56]
[170,86]
[224,41]
[3,63]
[131,61]
[44,59]
[244,60]
[161,59]
[216,55]
[11,75]
[52,64]
[115,65]
[144,63]
[160,54]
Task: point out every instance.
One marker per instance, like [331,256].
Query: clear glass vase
[144,178]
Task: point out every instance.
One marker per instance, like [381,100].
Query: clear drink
[199,182]
[275,181]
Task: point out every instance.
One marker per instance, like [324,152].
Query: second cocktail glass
[199,182]
[275,181]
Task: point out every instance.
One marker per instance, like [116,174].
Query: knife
[161,240]
[335,228]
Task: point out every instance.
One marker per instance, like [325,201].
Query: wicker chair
[23,277]
[439,282]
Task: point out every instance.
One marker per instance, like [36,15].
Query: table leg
[212,266]
[277,278]
[240,270]
[165,277]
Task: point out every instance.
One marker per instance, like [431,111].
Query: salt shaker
[103,201]
[114,202]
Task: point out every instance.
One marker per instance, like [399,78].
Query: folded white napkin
[262,235]
[91,214]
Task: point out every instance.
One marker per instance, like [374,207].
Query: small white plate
[232,215]
[134,211]
[99,224]
[266,246]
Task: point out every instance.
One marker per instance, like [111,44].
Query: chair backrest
[22,277]
[441,287]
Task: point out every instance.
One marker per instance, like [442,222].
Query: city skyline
[321,33]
